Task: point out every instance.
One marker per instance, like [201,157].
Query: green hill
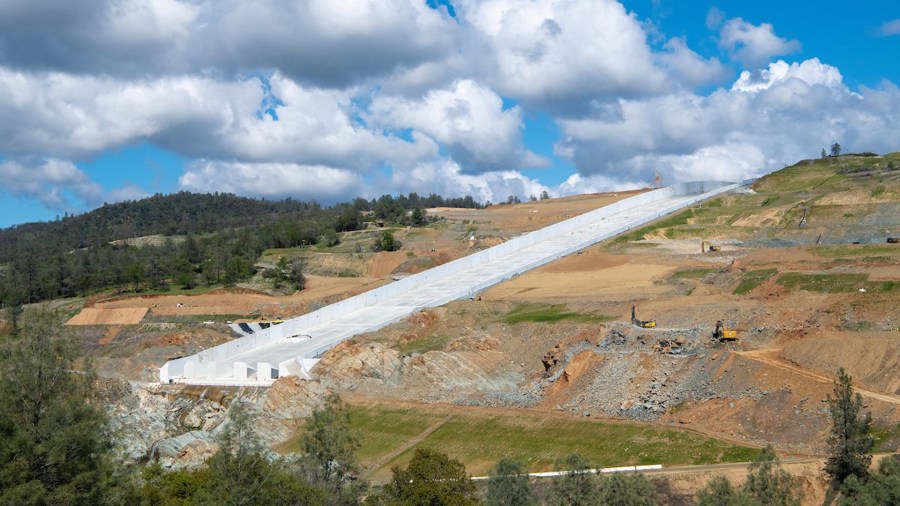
[185,239]
[835,200]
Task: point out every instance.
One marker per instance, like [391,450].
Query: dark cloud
[318,42]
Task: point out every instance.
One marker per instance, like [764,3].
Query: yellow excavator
[647,324]
[723,333]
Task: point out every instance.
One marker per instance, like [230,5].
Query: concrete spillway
[292,347]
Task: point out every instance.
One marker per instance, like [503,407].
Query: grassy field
[780,200]
[825,283]
[835,283]
[753,279]
[694,273]
[856,250]
[479,439]
[549,314]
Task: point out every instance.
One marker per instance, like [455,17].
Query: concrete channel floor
[440,292]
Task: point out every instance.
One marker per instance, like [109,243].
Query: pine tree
[431,478]
[720,492]
[509,486]
[329,448]
[882,487]
[577,486]
[850,444]
[768,483]
[627,490]
[239,473]
[15,313]
[53,447]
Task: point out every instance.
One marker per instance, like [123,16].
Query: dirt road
[765,356]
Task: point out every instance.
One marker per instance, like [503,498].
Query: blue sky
[329,100]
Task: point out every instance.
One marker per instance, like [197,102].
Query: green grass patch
[660,224]
[883,286]
[824,283]
[382,430]
[379,430]
[822,174]
[887,439]
[878,190]
[126,291]
[550,314]
[693,273]
[856,250]
[426,344]
[836,283]
[753,279]
[194,319]
[480,440]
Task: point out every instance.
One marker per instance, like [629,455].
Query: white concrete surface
[604,470]
[286,349]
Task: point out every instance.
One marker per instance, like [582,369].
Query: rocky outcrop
[291,398]
[472,369]
[187,451]
[351,365]
[179,425]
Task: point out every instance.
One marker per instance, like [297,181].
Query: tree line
[211,239]
[55,449]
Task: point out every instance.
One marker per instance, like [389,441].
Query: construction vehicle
[647,324]
[262,322]
[723,333]
[709,246]
[267,323]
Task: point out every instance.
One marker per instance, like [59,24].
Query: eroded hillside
[557,343]
[788,276]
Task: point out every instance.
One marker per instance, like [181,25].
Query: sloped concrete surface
[286,349]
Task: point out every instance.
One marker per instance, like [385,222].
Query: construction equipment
[262,322]
[709,246]
[647,324]
[669,346]
[723,333]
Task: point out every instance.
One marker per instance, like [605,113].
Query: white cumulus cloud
[754,45]
[562,54]
[468,119]
[445,177]
[52,182]
[328,100]
[272,180]
[786,113]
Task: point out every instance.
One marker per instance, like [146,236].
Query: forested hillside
[198,238]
